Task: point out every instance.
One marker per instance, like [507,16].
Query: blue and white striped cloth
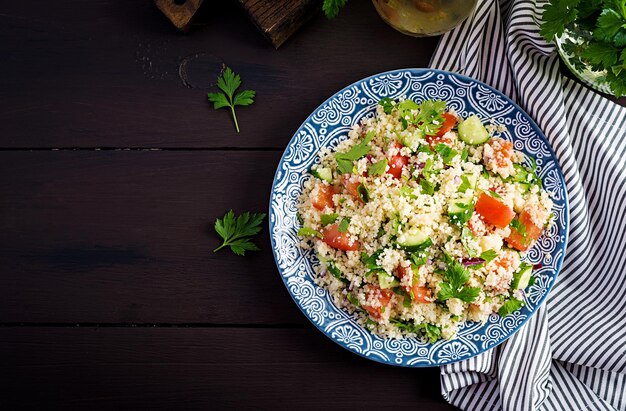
[572,354]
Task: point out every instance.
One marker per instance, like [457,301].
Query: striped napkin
[572,354]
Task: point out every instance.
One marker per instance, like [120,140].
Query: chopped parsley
[370,262]
[406,191]
[489,256]
[509,306]
[518,226]
[378,168]
[344,224]
[329,218]
[446,153]
[431,332]
[455,277]
[387,105]
[332,268]
[345,160]
[465,184]
[309,232]
[364,193]
[353,300]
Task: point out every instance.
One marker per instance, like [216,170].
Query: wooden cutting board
[276,19]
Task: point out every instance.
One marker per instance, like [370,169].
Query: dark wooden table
[113,168]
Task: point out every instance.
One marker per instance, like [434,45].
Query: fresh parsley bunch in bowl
[591,38]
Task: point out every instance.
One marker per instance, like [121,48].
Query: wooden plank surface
[108,74]
[200,368]
[127,237]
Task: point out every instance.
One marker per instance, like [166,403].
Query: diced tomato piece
[351,185]
[336,239]
[532,233]
[503,153]
[324,197]
[434,140]
[421,294]
[449,121]
[397,162]
[494,211]
[418,293]
[384,297]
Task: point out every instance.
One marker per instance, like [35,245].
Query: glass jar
[424,17]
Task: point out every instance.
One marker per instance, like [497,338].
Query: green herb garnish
[465,184]
[331,7]
[446,153]
[364,193]
[346,160]
[600,31]
[518,226]
[229,82]
[329,218]
[488,256]
[454,286]
[344,224]
[378,168]
[509,306]
[406,191]
[332,268]
[427,187]
[370,262]
[238,231]
[309,232]
[387,105]
[353,300]
[431,332]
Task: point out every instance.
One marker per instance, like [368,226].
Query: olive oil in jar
[424,17]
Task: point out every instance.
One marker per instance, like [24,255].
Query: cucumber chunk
[387,281]
[522,277]
[413,140]
[323,173]
[460,210]
[414,240]
[472,131]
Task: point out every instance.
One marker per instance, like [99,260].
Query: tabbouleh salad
[421,220]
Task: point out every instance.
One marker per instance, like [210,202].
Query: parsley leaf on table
[331,7]
[237,231]
[229,82]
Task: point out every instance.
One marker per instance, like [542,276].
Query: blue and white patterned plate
[330,124]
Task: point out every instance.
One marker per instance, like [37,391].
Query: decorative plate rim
[561,180]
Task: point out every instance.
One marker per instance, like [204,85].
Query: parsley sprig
[600,28]
[430,331]
[509,306]
[456,276]
[345,161]
[238,231]
[229,82]
[331,7]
